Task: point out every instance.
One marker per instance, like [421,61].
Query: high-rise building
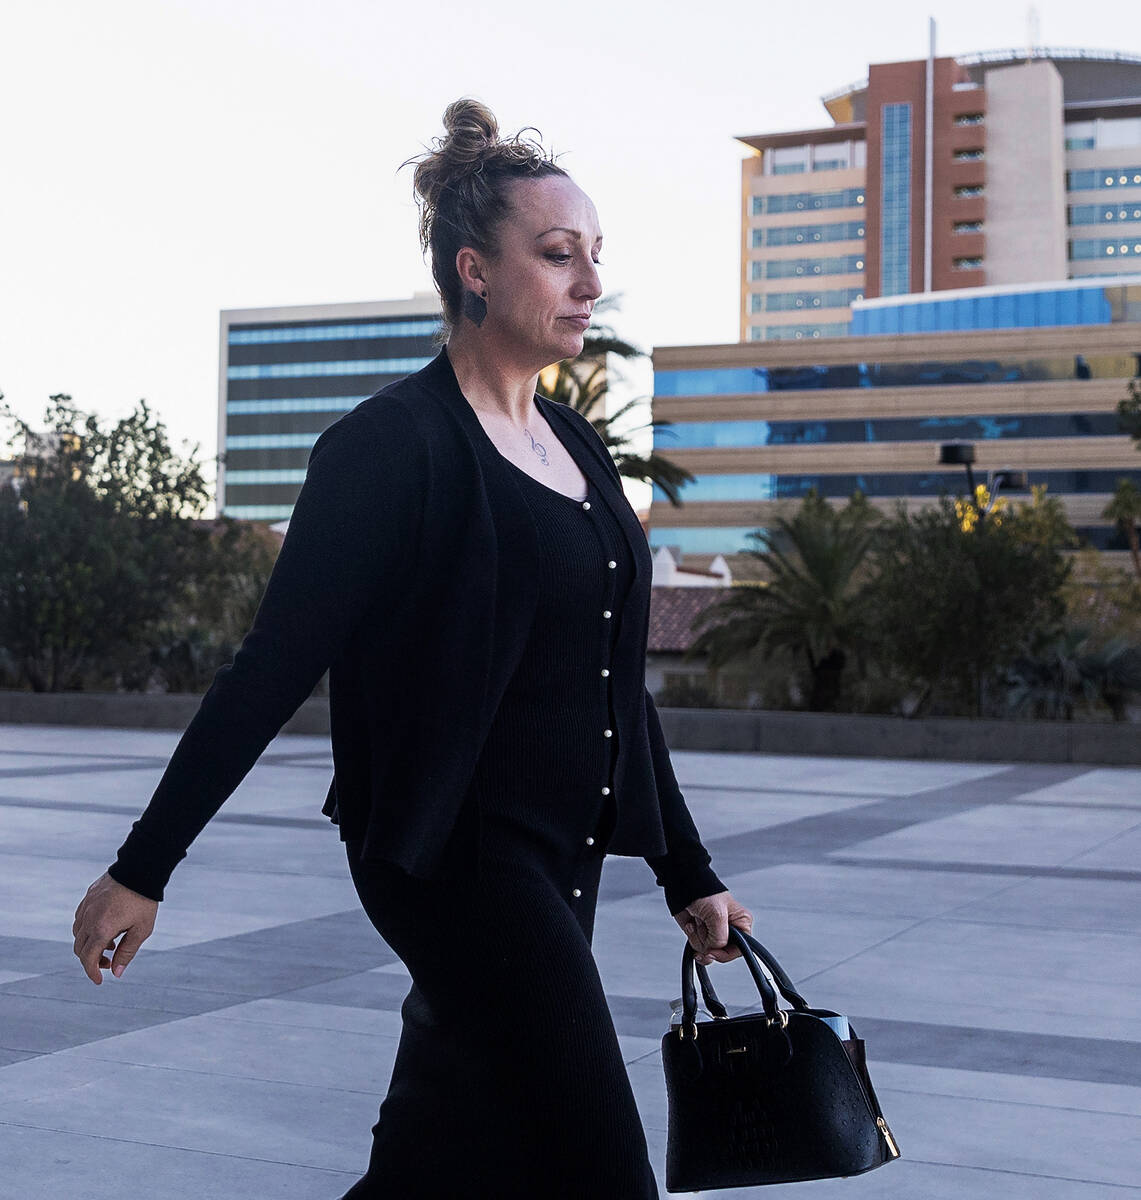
[992,169]
[286,374]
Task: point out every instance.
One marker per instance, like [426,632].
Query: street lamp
[960,453]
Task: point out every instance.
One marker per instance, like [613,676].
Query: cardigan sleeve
[353,533]
[683,871]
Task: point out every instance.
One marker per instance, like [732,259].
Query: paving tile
[1102,785]
[839,776]
[39,1025]
[865,889]
[1125,1100]
[295,1124]
[724,812]
[71,1165]
[1010,833]
[1116,853]
[1073,905]
[129,992]
[305,1014]
[295,1054]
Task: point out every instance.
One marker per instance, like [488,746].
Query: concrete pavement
[979,923]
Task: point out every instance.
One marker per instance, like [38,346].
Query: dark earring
[475,308]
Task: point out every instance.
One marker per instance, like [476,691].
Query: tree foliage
[955,606]
[814,604]
[102,559]
[1124,510]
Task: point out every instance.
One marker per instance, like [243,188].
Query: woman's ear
[470,268]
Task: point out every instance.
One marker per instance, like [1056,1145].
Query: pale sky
[161,160]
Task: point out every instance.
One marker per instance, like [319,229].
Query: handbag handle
[784,984]
[689,991]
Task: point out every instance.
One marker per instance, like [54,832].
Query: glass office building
[759,426]
[286,374]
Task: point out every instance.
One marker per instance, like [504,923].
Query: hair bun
[471,131]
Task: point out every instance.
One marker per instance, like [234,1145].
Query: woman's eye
[560,258]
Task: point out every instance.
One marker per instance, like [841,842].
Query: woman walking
[463,562]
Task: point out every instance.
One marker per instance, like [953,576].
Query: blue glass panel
[346,331]
[270,441]
[364,366]
[763,486]
[284,475]
[685,435]
[330,404]
[895,183]
[259,512]
[710,539]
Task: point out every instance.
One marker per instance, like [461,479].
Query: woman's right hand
[107,911]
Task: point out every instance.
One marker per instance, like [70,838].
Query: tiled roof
[672,612]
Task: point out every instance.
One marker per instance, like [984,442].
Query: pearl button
[607,732]
[605,672]
[590,841]
[606,613]
[576,893]
[606,791]
[612,564]
[586,504]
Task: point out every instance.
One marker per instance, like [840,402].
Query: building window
[794,235]
[969,190]
[809,201]
[969,119]
[968,264]
[968,155]
[797,268]
[1094,179]
[1095,248]
[795,333]
[895,181]
[786,160]
[968,226]
[332,332]
[287,370]
[1102,214]
[707,435]
[791,301]
[1080,143]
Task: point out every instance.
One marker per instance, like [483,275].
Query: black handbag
[766,1097]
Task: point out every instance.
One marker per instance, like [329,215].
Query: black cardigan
[408,559]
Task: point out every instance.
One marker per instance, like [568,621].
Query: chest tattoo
[539,449]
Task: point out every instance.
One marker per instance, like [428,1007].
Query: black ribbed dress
[508,1080]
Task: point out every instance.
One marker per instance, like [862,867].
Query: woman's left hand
[706,923]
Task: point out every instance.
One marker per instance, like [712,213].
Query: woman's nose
[589,284]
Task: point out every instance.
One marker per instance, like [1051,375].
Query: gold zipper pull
[892,1147]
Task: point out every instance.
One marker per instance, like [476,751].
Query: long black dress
[509,1081]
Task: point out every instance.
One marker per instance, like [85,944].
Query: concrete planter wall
[835,734]
[132,710]
[855,736]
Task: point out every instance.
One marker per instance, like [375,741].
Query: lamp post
[960,453]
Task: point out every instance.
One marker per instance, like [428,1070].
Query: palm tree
[1073,669]
[1125,511]
[583,383]
[814,603]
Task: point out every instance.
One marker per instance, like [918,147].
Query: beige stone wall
[1025,175]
